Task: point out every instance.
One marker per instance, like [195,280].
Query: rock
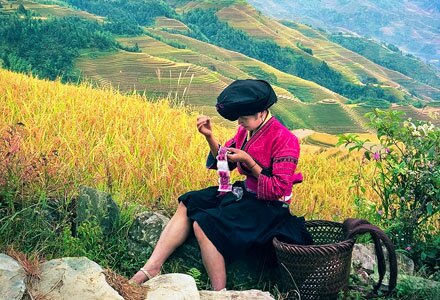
[235,295]
[405,265]
[172,287]
[364,256]
[12,277]
[73,278]
[99,206]
[145,232]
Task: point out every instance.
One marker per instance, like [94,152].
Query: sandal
[146,273]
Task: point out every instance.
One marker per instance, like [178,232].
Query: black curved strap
[354,227]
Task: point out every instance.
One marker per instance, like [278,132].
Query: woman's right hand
[204,125]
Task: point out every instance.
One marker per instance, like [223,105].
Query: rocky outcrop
[73,278]
[364,257]
[94,205]
[144,232]
[12,278]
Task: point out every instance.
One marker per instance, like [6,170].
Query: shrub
[407,178]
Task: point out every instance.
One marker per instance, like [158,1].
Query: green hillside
[157,77]
[190,50]
[412,25]
[244,66]
[356,68]
[389,56]
[56,8]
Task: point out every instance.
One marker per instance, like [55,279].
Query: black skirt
[236,224]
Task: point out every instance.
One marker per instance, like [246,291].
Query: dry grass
[325,192]
[30,266]
[138,150]
[142,152]
[32,269]
[126,289]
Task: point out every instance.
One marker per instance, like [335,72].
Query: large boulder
[364,257]
[73,278]
[12,278]
[145,232]
[183,287]
[172,287]
[94,205]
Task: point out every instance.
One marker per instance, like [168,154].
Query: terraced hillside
[152,74]
[170,24]
[46,10]
[382,73]
[411,25]
[292,86]
[161,49]
[173,64]
[427,114]
[156,77]
[354,66]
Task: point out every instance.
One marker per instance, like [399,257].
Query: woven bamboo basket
[318,271]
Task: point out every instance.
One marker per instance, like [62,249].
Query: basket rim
[347,242]
[323,222]
[310,223]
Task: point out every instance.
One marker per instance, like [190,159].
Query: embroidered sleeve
[211,161]
[278,181]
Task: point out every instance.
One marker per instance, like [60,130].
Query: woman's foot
[143,275]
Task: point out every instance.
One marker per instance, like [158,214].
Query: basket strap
[354,227]
[351,224]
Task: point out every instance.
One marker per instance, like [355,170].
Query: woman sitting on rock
[228,220]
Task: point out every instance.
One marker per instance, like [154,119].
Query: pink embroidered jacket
[276,150]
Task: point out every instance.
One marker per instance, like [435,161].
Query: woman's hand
[204,126]
[237,155]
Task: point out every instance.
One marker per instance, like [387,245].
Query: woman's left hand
[238,155]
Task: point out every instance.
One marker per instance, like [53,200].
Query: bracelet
[253,166]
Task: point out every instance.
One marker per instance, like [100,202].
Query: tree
[22,10]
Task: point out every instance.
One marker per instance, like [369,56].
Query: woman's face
[251,122]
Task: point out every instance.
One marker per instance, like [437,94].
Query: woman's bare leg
[174,235]
[212,259]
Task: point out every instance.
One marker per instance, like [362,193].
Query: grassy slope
[155,76]
[306,91]
[46,10]
[134,147]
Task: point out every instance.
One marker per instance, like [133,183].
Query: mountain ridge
[391,21]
